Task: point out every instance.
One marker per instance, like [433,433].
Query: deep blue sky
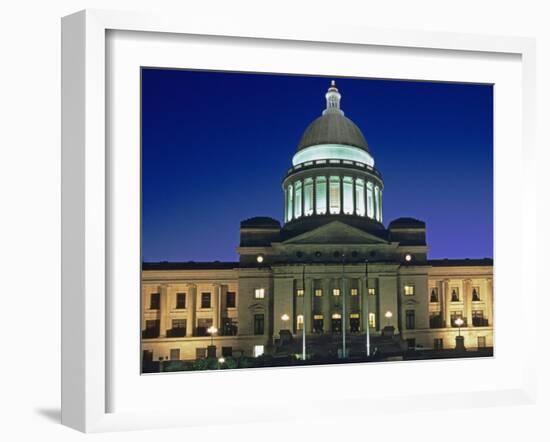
[216,145]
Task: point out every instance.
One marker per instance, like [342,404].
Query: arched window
[334,194]
[298,199]
[289,202]
[308,196]
[370,200]
[475,294]
[348,195]
[321,197]
[360,197]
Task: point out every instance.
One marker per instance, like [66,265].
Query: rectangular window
[475,294]
[154,302]
[478,320]
[259,293]
[308,196]
[354,292]
[227,352]
[298,199]
[300,292]
[206,300]
[258,350]
[231,300]
[370,201]
[334,194]
[409,319]
[372,320]
[336,292]
[180,300]
[372,291]
[318,323]
[200,353]
[321,197]
[438,344]
[348,195]
[409,290]
[300,322]
[174,354]
[179,323]
[152,329]
[436,320]
[318,292]
[259,324]
[455,294]
[354,322]
[360,197]
[481,343]
[203,324]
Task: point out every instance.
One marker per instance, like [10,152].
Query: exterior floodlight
[260,259]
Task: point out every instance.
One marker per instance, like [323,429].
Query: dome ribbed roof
[333,128]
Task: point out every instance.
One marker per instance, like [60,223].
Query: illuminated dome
[333,174]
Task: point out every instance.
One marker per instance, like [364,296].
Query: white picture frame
[86,205]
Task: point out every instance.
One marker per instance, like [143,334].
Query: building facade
[331,270]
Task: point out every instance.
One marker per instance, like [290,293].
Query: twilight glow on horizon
[216,146]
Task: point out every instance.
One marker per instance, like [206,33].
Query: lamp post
[212,330]
[459,322]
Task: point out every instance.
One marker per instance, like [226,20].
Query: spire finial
[333,99]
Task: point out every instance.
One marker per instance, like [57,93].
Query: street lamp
[212,330]
[285,318]
[388,316]
[459,322]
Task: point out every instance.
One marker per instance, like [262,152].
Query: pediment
[335,232]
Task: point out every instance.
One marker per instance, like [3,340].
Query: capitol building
[333,278]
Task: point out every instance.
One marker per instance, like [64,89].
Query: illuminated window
[370,201]
[321,197]
[258,350]
[318,292]
[308,196]
[360,197]
[334,194]
[298,199]
[348,195]
[372,320]
[290,203]
[300,322]
[336,316]
[336,292]
[354,292]
[409,290]
[300,292]
[259,293]
[354,323]
[377,202]
[372,291]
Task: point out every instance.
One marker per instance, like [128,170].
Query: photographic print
[292,220]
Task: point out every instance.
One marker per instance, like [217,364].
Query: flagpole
[367,305]
[304,313]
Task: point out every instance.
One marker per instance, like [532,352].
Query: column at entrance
[489,300]
[467,288]
[191,308]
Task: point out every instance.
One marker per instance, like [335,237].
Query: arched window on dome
[321,197]
[298,199]
[370,200]
[348,195]
[377,202]
[360,197]
[289,202]
[308,196]
[334,194]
